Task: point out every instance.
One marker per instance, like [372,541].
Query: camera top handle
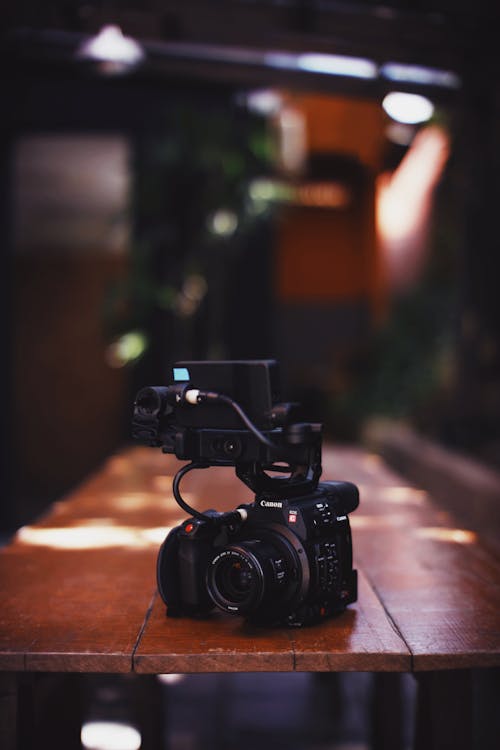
[302,480]
[300,455]
[301,458]
[303,473]
[296,451]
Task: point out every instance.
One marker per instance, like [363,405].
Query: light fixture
[337,65]
[111,50]
[316,62]
[409,109]
[420,74]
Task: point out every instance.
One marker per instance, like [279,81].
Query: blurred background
[238,180]
[311,181]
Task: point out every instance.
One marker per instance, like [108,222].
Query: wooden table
[79,590]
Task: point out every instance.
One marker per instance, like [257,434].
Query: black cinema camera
[285,558]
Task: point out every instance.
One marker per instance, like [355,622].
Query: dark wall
[68,403]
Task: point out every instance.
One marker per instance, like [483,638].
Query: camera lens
[252,576]
[236,580]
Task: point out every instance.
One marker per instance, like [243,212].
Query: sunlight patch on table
[93,536]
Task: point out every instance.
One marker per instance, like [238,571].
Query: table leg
[487,708]
[445,711]
[387,712]
[149,706]
[49,711]
[8,710]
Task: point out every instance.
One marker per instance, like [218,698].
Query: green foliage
[411,352]
[191,209]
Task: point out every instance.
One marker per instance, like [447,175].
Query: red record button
[188,528]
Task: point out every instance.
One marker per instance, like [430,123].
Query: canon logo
[271,504]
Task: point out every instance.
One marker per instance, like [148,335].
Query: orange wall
[329,255]
[343,126]
[322,256]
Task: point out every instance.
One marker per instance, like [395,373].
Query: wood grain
[220,643]
[69,610]
[437,580]
[77,586]
[361,638]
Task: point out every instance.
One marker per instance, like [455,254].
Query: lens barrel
[151,401]
[251,576]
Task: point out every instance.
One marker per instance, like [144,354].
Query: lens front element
[255,577]
[235,580]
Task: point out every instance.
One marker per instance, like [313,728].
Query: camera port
[232,447]
[227,447]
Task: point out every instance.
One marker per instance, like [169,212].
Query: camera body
[289,562]
[285,558]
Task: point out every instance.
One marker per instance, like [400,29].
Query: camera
[285,558]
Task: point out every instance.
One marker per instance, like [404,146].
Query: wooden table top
[79,590]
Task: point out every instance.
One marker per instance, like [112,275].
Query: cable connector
[194,396]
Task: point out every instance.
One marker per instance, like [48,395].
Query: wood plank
[76,585]
[442,597]
[64,610]
[466,487]
[220,643]
[439,583]
[361,639]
